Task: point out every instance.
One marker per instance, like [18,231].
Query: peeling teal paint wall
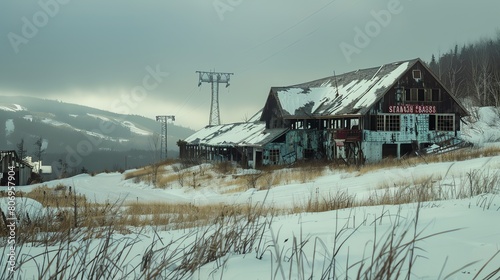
[297,145]
[319,144]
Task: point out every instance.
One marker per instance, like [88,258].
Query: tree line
[472,72]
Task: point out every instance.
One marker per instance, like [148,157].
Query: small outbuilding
[10,165]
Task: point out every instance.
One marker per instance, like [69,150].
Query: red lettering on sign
[413,109]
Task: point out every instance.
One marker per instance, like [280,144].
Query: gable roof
[235,134]
[352,93]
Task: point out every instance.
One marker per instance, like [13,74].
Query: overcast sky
[140,57]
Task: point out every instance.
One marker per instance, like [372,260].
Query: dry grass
[300,172]
[226,229]
[236,186]
[224,167]
[420,180]
[59,196]
[165,180]
[185,215]
[138,173]
[419,189]
[105,254]
[458,155]
[145,172]
[68,210]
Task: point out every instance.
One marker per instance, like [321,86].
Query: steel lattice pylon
[163,142]
[214,78]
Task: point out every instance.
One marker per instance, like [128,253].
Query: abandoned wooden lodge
[361,116]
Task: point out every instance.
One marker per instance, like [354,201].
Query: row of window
[436,122]
[422,95]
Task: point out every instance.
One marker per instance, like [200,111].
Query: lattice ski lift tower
[164,135]
[214,78]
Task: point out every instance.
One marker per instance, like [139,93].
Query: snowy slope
[456,236]
[474,236]
[119,189]
[483,126]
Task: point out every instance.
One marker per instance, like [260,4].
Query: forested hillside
[472,71]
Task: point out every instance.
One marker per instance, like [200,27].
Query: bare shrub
[224,167]
[180,174]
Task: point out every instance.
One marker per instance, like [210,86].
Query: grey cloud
[94,45]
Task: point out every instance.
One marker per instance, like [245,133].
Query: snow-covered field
[476,221]
[453,238]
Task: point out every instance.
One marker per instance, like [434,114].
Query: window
[445,122]
[421,94]
[428,94]
[388,122]
[436,94]
[274,156]
[308,153]
[432,122]
[408,94]
[417,75]
[392,122]
[380,122]
[414,94]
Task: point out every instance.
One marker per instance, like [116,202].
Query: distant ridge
[66,127]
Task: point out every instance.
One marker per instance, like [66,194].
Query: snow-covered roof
[12,153]
[235,134]
[349,93]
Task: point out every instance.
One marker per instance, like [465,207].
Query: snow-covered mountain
[62,123]
[68,127]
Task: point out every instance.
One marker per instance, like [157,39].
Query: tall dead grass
[458,155]
[97,248]
[421,189]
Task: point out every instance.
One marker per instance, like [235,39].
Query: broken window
[421,94]
[408,94]
[389,150]
[432,122]
[392,123]
[381,122]
[405,149]
[274,156]
[308,153]
[414,94]
[388,122]
[428,94]
[445,122]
